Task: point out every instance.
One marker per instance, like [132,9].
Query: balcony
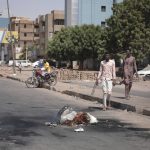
[27,30]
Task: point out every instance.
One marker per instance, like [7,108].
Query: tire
[32,82]
[53,81]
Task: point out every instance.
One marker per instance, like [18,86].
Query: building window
[25,34]
[59,22]
[25,43]
[25,25]
[43,23]
[18,45]
[103,8]
[114,1]
[103,23]
[16,24]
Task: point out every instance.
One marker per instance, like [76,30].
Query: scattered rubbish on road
[67,116]
[79,130]
[50,124]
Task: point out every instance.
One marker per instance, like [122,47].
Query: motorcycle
[38,79]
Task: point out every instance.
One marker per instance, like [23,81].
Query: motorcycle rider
[46,68]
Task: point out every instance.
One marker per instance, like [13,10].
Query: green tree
[129,28]
[77,43]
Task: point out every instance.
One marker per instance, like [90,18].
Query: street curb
[114,104]
[91,98]
[14,78]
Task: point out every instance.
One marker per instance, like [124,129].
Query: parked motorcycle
[38,79]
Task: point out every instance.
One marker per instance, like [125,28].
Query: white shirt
[107,70]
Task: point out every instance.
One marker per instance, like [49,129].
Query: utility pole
[11,39]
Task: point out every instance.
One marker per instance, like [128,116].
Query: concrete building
[45,27]
[25,29]
[79,12]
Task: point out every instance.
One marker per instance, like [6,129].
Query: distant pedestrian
[20,67]
[129,67]
[107,76]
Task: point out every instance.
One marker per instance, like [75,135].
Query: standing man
[20,67]
[129,66]
[107,75]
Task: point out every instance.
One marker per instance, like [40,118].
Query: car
[24,63]
[35,64]
[144,72]
[146,77]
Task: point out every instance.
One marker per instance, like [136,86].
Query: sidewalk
[79,89]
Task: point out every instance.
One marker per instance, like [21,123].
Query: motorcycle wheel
[53,81]
[32,82]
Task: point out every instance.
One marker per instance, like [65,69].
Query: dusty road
[24,111]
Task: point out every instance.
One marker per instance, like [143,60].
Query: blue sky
[32,8]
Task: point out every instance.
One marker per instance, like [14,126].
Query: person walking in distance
[129,66]
[20,67]
[107,75]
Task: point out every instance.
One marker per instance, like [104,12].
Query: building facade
[45,27]
[25,29]
[71,12]
[79,12]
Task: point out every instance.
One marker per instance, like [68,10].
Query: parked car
[24,63]
[146,77]
[144,72]
[38,63]
[35,64]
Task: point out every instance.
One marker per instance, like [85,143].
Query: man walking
[107,75]
[129,66]
[20,67]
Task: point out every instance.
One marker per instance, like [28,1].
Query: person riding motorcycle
[46,68]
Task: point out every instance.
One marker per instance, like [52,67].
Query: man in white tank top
[107,75]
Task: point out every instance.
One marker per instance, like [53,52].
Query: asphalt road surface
[24,111]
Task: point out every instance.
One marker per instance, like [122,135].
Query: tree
[129,28]
[77,43]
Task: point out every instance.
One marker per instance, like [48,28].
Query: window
[25,34]
[59,22]
[103,23]
[103,8]
[25,42]
[43,23]
[16,24]
[25,25]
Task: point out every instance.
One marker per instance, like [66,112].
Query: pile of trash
[67,116]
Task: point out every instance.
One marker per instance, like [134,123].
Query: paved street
[24,111]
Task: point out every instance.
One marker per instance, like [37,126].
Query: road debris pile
[67,116]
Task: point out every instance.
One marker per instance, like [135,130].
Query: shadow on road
[13,129]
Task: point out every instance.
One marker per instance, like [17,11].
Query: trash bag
[63,112]
[92,119]
[67,116]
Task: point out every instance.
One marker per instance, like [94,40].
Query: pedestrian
[20,67]
[107,77]
[129,67]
